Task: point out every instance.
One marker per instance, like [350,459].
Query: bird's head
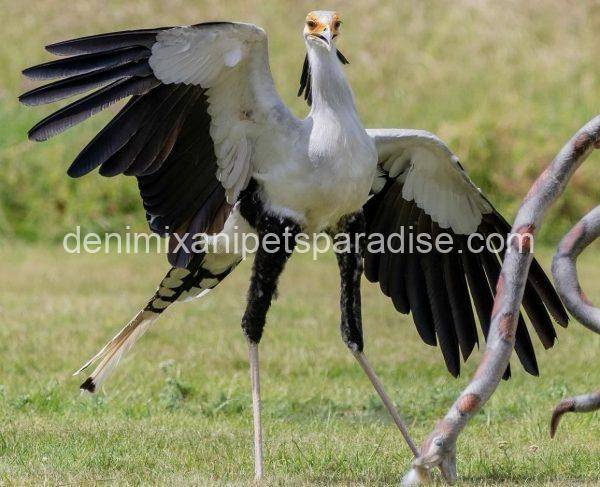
[321,28]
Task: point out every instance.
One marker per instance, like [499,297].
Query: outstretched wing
[422,189]
[200,96]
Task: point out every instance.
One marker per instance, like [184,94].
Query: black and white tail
[178,285]
[113,351]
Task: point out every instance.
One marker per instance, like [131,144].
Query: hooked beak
[324,37]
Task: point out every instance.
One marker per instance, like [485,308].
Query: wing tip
[77,170]
[549,343]
[62,48]
[454,370]
[562,319]
[37,135]
[54,49]
[530,367]
[25,99]
[32,98]
[30,73]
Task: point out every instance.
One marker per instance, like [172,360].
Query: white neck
[330,89]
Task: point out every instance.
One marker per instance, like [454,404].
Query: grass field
[178,410]
[505,83]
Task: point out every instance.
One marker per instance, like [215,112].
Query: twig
[439,449]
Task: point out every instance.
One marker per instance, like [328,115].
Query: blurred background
[504,82]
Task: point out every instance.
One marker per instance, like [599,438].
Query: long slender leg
[268,265]
[362,360]
[350,263]
[255,378]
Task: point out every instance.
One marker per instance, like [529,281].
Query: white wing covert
[431,176]
[231,63]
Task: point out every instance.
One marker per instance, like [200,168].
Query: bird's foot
[439,450]
[416,476]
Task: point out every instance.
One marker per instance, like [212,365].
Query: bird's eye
[337,25]
[311,24]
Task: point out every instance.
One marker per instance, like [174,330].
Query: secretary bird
[215,150]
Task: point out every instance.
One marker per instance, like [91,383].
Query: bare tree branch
[577,404]
[439,449]
[564,271]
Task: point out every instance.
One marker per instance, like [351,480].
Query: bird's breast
[329,177]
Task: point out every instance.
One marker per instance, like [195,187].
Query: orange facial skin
[317,22]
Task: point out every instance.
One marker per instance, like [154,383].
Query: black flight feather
[186,178]
[523,345]
[416,288]
[532,302]
[84,108]
[491,274]
[538,315]
[169,141]
[438,299]
[118,132]
[179,206]
[524,348]
[199,223]
[103,42]
[86,63]
[537,277]
[140,151]
[168,144]
[168,177]
[482,295]
[460,302]
[372,210]
[78,84]
[398,263]
[394,204]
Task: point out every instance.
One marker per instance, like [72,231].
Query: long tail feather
[113,351]
[179,284]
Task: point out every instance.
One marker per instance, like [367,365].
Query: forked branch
[439,449]
[564,271]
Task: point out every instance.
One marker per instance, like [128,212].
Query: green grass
[505,83]
[178,409]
